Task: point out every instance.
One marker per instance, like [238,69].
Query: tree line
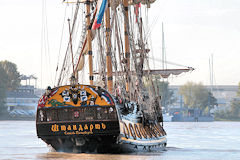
[196,95]
[232,113]
[9,80]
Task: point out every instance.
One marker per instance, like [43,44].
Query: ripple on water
[190,140]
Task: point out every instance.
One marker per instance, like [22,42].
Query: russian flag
[101,5]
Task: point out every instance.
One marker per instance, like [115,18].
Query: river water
[186,141]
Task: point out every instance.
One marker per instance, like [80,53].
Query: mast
[127,48]
[163,49]
[89,42]
[211,72]
[108,50]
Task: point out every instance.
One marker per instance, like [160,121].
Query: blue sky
[194,29]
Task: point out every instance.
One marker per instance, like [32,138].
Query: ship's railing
[86,113]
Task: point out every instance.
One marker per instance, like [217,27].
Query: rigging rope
[69,43]
[45,44]
[60,46]
[167,62]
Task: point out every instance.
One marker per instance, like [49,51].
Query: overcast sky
[194,29]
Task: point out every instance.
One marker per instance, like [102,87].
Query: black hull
[103,125]
[83,136]
[101,136]
[109,141]
[100,144]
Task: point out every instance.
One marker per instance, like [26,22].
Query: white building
[223,93]
[22,102]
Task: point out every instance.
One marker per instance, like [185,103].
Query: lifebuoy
[125,130]
[137,131]
[142,131]
[133,134]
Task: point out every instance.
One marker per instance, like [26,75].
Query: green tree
[3,82]
[233,113]
[13,76]
[235,105]
[9,80]
[197,96]
[238,92]
[166,94]
[235,108]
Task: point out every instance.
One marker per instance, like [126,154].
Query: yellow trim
[124,129]
[147,129]
[132,130]
[137,133]
[143,130]
[153,132]
[159,132]
[58,98]
[147,132]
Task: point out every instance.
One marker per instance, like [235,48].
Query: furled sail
[148,2]
[165,73]
[81,63]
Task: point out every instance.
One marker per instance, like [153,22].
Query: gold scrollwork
[137,131]
[152,130]
[143,132]
[125,130]
[132,131]
[157,131]
[148,131]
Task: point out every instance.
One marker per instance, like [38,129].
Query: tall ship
[119,108]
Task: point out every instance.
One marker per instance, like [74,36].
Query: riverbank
[227,119]
[16,118]
[186,140]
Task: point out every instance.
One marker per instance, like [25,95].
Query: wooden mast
[89,42]
[127,49]
[108,49]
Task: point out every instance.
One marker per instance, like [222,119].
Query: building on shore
[223,93]
[22,102]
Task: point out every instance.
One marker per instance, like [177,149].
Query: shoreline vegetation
[227,120]
[16,118]
[19,118]
[200,98]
